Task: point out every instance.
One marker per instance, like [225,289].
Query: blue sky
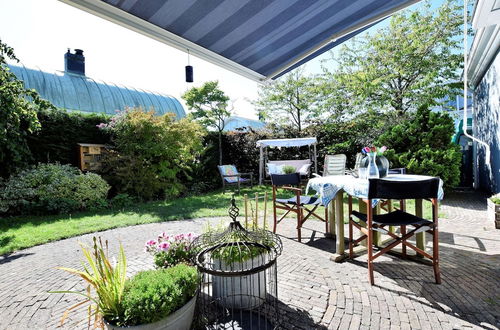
[40,31]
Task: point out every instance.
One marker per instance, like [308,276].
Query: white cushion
[304,169]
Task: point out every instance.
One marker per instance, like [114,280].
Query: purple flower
[179,237]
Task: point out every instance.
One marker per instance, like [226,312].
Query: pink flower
[151,242]
[163,237]
[191,236]
[164,246]
[384,148]
[179,237]
[366,149]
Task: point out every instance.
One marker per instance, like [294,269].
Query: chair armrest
[251,174]
[292,189]
[232,175]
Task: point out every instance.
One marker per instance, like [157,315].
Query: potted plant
[288,169]
[234,256]
[155,299]
[163,298]
[494,209]
[170,250]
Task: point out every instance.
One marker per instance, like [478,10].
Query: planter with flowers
[494,210]
[375,156]
[153,299]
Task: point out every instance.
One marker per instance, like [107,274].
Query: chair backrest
[285,179]
[228,170]
[357,163]
[399,170]
[391,189]
[334,164]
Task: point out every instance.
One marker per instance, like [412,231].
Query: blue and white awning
[260,39]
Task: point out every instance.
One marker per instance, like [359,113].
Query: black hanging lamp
[189,71]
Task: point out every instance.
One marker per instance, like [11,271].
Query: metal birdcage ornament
[239,285]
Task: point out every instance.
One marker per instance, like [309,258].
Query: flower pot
[240,292]
[381,162]
[494,213]
[181,319]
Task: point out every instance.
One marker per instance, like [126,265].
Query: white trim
[121,17]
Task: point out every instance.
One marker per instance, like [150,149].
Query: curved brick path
[318,293]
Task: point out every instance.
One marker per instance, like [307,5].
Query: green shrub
[122,201]
[52,188]
[153,154]
[423,145]
[152,295]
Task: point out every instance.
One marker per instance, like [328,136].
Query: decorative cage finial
[233,211]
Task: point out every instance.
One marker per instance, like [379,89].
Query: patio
[315,292]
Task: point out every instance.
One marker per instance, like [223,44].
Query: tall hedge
[60,132]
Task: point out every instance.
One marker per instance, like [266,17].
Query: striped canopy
[260,39]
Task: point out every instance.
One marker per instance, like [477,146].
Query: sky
[41,31]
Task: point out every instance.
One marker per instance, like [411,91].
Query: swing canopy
[285,143]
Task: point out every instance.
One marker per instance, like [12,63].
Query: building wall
[487,127]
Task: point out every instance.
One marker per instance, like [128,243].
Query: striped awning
[260,39]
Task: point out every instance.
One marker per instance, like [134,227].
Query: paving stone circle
[315,292]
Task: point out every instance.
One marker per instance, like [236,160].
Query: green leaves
[152,154]
[18,116]
[154,294]
[423,145]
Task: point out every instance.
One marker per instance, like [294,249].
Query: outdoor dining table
[331,190]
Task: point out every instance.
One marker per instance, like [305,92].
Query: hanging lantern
[189,71]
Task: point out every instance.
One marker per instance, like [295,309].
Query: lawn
[26,231]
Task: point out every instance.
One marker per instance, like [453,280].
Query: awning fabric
[287,142]
[258,39]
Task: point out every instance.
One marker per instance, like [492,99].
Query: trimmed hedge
[61,131]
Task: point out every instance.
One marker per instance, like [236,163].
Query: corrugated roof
[80,93]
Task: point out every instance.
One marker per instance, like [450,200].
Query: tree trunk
[220,147]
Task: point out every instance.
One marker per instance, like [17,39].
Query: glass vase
[372,166]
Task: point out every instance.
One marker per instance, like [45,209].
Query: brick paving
[317,293]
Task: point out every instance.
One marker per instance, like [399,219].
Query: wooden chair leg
[403,232]
[369,215]
[299,221]
[327,228]
[435,256]
[435,242]
[351,239]
[275,218]
[351,245]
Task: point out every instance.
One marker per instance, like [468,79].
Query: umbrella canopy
[257,39]
[299,142]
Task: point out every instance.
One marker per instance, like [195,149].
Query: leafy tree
[210,105]
[18,116]
[423,145]
[290,100]
[414,61]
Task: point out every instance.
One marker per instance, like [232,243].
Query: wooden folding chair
[297,204]
[370,222]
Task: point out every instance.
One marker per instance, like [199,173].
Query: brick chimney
[74,63]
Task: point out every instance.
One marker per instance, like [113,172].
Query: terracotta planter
[181,319]
[494,213]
